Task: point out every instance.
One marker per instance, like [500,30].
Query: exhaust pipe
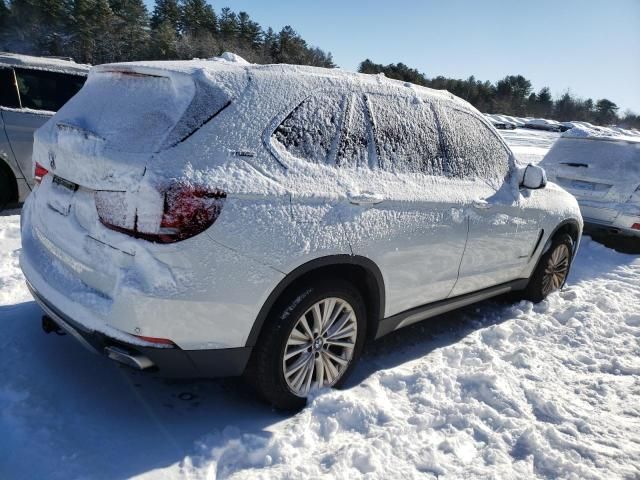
[50,326]
[134,360]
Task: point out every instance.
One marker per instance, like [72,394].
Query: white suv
[210,218]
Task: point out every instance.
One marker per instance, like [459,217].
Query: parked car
[31,90]
[500,122]
[212,218]
[543,124]
[603,173]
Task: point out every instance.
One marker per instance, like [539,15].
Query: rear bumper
[167,362]
[610,228]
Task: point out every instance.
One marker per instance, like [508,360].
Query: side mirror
[534,177]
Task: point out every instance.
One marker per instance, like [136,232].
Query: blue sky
[590,47]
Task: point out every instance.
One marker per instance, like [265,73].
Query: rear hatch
[603,174]
[105,135]
[96,150]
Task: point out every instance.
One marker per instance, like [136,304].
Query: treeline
[101,31]
[513,95]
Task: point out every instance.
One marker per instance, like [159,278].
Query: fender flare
[329,261]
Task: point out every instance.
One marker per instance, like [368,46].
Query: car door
[502,234]
[395,213]
[41,94]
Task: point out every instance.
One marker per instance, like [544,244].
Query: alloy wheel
[556,270]
[320,346]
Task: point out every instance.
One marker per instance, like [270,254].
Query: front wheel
[552,270]
[311,340]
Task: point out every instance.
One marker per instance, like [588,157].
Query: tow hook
[48,325]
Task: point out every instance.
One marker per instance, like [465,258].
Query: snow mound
[231,58]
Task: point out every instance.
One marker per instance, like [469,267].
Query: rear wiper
[584,165]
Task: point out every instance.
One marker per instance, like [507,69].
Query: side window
[406,135]
[356,148]
[43,90]
[311,129]
[472,149]
[8,92]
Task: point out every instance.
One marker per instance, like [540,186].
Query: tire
[552,270]
[285,334]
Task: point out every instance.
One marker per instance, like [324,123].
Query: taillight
[39,173]
[636,226]
[187,210]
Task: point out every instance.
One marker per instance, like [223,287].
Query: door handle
[481,205]
[365,198]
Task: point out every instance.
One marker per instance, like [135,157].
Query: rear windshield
[609,160]
[141,113]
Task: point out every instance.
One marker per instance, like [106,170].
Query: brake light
[636,226]
[187,210]
[39,173]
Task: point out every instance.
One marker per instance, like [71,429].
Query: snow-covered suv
[210,218]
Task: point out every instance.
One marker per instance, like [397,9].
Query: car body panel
[20,125]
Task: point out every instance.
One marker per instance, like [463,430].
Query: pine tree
[166,11]
[198,17]
[90,38]
[34,26]
[228,25]
[249,32]
[164,42]
[130,29]
[606,112]
[4,13]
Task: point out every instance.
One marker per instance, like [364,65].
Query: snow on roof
[314,76]
[43,63]
[230,57]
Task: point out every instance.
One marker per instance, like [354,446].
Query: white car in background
[31,90]
[544,124]
[499,122]
[602,170]
[215,218]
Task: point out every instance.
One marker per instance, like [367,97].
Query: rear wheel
[311,340]
[552,270]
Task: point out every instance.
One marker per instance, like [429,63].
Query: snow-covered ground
[498,390]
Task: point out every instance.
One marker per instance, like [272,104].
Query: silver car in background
[603,173]
[32,89]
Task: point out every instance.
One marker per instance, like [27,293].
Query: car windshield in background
[45,90]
